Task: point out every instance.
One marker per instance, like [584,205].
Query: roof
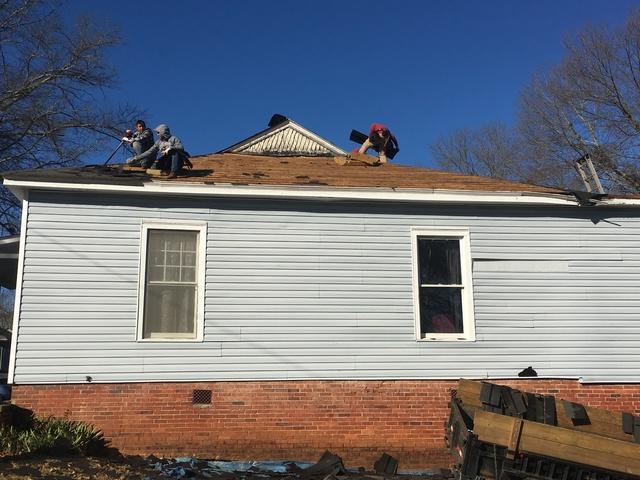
[284,137]
[237,169]
[229,174]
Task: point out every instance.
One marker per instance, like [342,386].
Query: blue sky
[216,71]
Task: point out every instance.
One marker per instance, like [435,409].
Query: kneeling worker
[141,140]
[382,141]
[173,155]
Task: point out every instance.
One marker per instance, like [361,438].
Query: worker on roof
[172,153]
[382,141]
[141,140]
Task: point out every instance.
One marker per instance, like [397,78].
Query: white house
[276,306]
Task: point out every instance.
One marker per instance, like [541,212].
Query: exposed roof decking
[237,169]
[254,170]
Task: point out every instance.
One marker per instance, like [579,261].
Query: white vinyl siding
[323,290]
[443,291]
[171,282]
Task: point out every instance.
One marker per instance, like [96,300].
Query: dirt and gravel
[27,467]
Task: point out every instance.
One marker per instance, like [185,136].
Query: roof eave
[21,188]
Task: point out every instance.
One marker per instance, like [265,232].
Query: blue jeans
[147,162]
[174,161]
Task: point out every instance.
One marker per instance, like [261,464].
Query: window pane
[155,273]
[441,310]
[439,261]
[190,244]
[169,309]
[189,259]
[172,274]
[173,258]
[188,274]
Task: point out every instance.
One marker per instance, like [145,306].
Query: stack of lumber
[574,433]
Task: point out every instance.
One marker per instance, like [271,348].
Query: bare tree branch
[51,72]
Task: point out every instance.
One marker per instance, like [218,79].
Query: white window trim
[468,318]
[200,227]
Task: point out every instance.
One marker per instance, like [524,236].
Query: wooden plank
[603,422]
[561,443]
[364,158]
[514,440]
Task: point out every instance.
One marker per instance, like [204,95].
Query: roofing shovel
[114,152]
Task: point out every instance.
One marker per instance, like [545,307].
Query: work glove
[127,139]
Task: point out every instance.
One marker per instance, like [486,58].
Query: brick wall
[287,419]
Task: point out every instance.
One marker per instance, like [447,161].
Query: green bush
[51,435]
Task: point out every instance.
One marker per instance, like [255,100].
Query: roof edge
[20,188]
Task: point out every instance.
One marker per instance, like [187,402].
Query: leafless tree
[590,103]
[587,104]
[53,73]
[490,150]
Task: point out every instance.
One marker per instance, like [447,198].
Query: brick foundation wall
[297,420]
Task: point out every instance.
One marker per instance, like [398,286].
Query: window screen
[440,285]
[171,284]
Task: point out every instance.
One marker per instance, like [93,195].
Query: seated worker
[173,156]
[382,141]
[141,140]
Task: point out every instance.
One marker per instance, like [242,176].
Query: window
[443,294]
[172,282]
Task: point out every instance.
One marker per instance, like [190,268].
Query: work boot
[172,175]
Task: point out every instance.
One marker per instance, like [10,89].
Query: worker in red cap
[382,141]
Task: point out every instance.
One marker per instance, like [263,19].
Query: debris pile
[329,467]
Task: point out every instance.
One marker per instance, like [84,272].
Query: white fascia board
[304,192]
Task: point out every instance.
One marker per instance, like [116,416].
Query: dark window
[440,286]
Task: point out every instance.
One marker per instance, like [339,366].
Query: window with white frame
[443,294]
[172,282]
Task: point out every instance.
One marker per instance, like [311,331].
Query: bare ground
[27,467]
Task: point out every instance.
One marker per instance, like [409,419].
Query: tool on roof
[127,134]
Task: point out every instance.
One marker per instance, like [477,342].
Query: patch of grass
[51,435]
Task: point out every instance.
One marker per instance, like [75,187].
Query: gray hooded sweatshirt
[165,144]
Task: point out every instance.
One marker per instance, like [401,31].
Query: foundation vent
[201,397]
